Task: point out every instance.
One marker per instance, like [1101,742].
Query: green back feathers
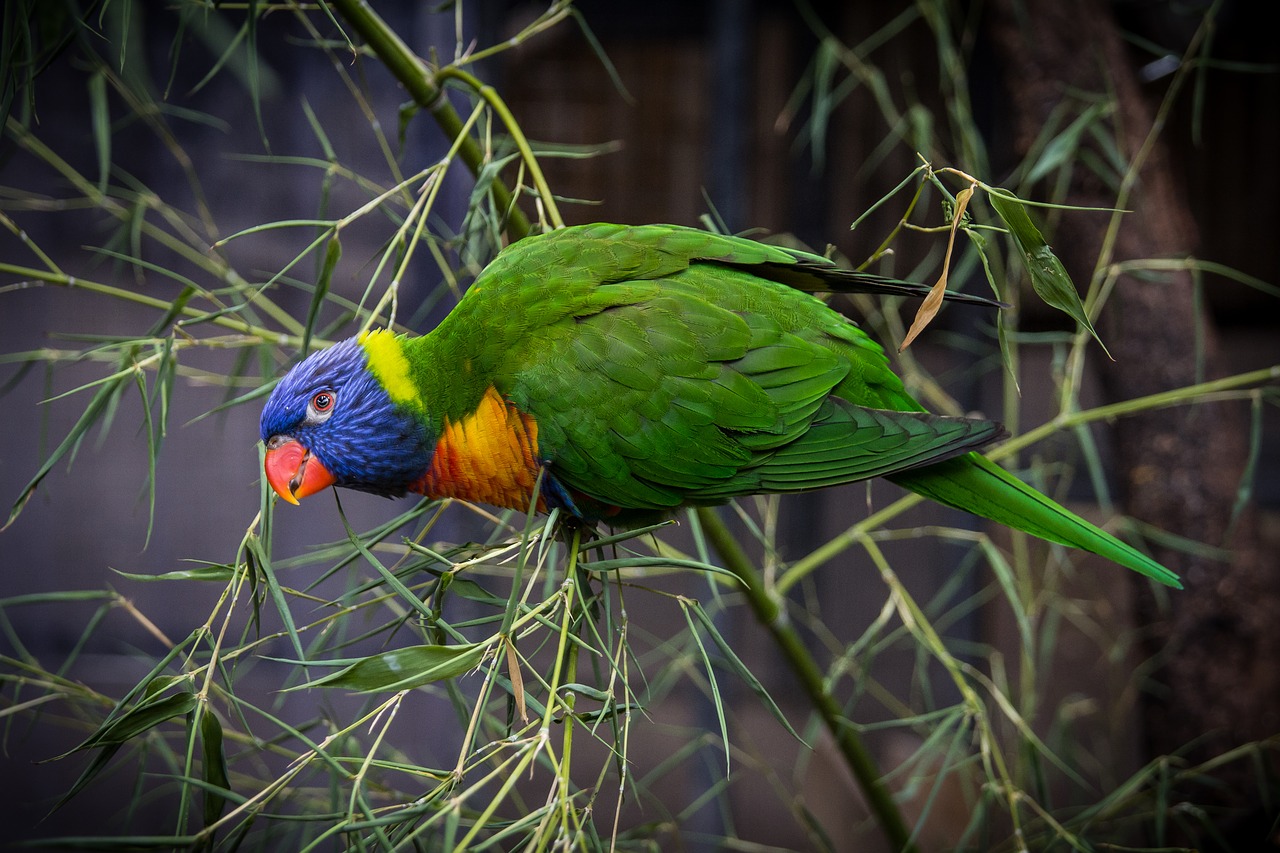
[685,388]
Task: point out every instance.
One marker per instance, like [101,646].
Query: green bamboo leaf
[332,253]
[253,573]
[158,685]
[317,128]
[404,669]
[826,62]
[163,386]
[153,450]
[711,675]
[262,562]
[487,177]
[389,577]
[1244,491]
[141,718]
[58,597]
[610,713]
[634,533]
[90,630]
[1062,148]
[601,566]
[1095,467]
[219,572]
[1048,275]
[406,113]
[215,766]
[137,219]
[95,767]
[248,397]
[100,114]
[593,693]
[257,89]
[1002,318]
[472,591]
[92,413]
[1009,586]
[741,669]
[272,226]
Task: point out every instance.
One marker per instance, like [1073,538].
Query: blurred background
[745,111]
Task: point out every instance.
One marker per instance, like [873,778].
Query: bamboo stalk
[422,85]
[770,614]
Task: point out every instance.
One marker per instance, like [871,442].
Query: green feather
[975,484]
[845,443]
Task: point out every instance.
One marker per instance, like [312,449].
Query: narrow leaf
[215,766]
[517,680]
[95,767]
[404,669]
[253,546]
[1007,354]
[1048,275]
[152,451]
[100,115]
[1244,491]
[472,591]
[140,719]
[1062,148]
[735,662]
[97,406]
[600,566]
[332,253]
[933,302]
[213,572]
[711,680]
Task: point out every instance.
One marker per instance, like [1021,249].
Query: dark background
[707,84]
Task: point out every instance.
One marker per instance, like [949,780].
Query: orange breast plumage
[490,456]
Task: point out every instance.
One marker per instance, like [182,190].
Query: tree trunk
[1217,644]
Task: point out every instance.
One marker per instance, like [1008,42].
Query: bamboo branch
[769,613]
[422,85]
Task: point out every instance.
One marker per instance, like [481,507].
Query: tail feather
[975,484]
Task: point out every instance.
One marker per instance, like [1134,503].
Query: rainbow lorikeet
[639,370]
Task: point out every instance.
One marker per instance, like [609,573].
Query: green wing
[711,383]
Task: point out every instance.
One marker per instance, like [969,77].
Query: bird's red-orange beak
[293,472]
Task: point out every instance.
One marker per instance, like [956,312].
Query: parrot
[621,373]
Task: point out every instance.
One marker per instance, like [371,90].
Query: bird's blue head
[329,422]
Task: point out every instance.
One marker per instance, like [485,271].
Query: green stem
[770,614]
[422,86]
[71,281]
[491,97]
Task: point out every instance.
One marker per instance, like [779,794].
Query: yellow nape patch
[388,363]
[489,456]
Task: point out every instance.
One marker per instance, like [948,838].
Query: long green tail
[975,484]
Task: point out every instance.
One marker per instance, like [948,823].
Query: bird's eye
[321,406]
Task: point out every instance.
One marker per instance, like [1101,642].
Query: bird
[620,373]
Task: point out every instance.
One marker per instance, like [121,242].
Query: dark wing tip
[816,276]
